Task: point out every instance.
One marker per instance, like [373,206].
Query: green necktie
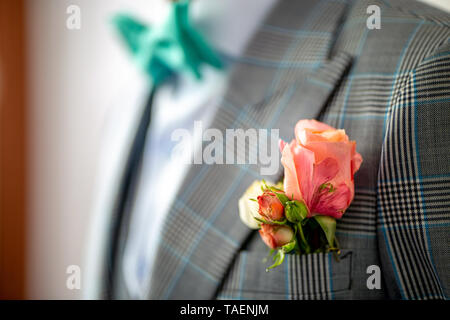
[170,48]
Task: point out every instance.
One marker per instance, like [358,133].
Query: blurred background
[56,87]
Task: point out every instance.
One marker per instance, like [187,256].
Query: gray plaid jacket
[390,90]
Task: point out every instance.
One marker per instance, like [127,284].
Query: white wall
[440,4]
[73,76]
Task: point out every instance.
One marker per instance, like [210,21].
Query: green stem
[303,239]
[336,251]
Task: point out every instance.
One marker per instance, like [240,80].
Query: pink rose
[270,207]
[318,168]
[276,236]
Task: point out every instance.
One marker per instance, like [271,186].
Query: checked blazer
[389,88]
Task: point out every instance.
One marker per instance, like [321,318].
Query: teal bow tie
[171,48]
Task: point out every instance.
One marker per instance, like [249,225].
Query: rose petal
[313,125]
[281,144]
[335,135]
[291,185]
[341,152]
[356,162]
[308,135]
[266,235]
[334,203]
[325,171]
[304,164]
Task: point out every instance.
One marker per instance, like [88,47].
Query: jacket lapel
[203,232]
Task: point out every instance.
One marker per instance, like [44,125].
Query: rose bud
[276,236]
[270,207]
[248,206]
[296,211]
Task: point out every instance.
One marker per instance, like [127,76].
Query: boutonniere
[299,215]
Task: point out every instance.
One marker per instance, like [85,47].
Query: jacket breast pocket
[311,276]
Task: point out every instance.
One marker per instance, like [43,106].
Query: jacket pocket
[312,276]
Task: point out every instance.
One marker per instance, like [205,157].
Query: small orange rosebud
[270,207]
[276,236]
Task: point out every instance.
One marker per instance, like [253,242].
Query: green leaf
[303,242]
[261,220]
[264,185]
[296,211]
[282,197]
[280,185]
[289,246]
[275,189]
[278,258]
[328,225]
[269,255]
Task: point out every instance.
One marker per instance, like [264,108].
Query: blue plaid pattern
[414,182]
[390,90]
